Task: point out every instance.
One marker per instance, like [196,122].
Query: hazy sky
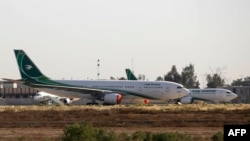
[66,37]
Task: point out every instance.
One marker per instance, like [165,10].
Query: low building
[243,93]
[16,94]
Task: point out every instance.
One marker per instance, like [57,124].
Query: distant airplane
[107,91]
[47,99]
[215,95]
[130,75]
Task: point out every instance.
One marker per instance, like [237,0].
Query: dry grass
[183,118]
[167,107]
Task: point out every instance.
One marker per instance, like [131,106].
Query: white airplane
[48,99]
[214,95]
[107,91]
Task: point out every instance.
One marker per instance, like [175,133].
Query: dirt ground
[48,122]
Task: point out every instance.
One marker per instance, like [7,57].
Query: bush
[86,132]
[171,137]
[79,132]
[148,136]
[248,121]
[124,137]
[217,137]
[139,136]
[111,136]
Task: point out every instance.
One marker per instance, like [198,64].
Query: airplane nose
[234,96]
[185,91]
[188,91]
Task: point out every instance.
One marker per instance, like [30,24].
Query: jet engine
[187,100]
[67,101]
[113,98]
[146,101]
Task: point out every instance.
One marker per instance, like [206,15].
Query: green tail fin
[27,68]
[130,75]
[29,71]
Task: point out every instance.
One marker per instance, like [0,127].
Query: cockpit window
[179,87]
[228,92]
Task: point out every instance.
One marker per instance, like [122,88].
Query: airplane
[130,75]
[214,95]
[107,91]
[48,99]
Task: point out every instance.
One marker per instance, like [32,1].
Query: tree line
[189,80]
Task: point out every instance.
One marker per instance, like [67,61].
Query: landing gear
[93,103]
[107,104]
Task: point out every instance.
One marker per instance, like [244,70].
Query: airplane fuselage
[215,95]
[159,90]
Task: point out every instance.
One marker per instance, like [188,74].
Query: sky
[65,38]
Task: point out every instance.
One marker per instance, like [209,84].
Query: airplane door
[139,88]
[165,92]
[167,89]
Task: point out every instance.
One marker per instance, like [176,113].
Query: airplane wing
[55,100]
[83,90]
[66,88]
[19,81]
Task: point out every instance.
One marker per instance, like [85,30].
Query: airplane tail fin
[28,70]
[130,75]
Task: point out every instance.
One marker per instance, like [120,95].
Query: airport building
[243,93]
[13,90]
[19,94]
[16,94]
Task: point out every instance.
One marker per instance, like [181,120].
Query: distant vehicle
[1,96]
[107,91]
[214,95]
[48,99]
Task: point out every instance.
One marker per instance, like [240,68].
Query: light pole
[98,64]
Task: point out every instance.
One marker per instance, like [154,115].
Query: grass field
[168,107]
[47,122]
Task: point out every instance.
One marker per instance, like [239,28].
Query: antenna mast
[132,65]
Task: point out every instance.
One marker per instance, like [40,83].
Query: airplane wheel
[92,103]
